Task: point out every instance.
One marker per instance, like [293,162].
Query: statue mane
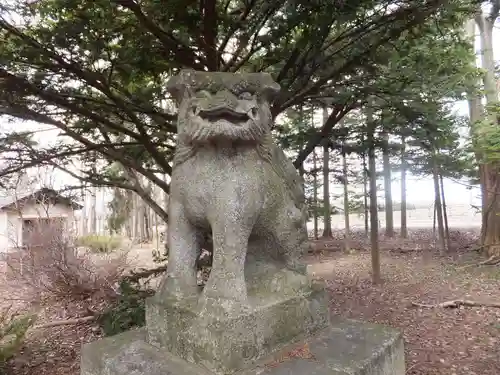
[270,153]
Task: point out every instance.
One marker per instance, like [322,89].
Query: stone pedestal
[286,312]
[225,344]
[343,348]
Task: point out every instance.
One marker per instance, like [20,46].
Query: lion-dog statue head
[222,107]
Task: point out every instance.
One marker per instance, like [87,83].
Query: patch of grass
[495,325]
[99,243]
[491,272]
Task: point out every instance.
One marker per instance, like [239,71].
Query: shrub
[53,268]
[12,332]
[99,243]
[129,310]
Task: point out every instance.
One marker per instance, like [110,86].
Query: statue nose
[226,98]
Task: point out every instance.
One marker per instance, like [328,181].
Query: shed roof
[39,195]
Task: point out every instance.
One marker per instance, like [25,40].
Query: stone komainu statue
[231,179]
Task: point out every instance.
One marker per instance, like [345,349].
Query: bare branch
[457,303]
[495,10]
[183,53]
[75,321]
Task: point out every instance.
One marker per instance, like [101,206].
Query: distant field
[458,216]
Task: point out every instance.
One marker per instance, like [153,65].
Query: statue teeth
[250,115]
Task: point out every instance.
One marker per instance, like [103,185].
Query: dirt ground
[437,340]
[448,341]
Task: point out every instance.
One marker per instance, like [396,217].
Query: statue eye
[203,94]
[245,96]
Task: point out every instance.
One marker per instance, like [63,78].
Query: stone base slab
[344,348]
[226,344]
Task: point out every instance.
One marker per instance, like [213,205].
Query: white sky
[418,190]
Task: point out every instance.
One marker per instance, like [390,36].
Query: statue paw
[228,300]
[296,265]
[222,307]
[176,288]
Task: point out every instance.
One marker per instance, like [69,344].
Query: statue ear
[270,93]
[176,87]
[270,89]
[178,84]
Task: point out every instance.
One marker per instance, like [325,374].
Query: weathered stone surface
[225,344]
[231,179]
[129,354]
[344,348]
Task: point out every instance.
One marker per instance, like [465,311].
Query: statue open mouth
[236,117]
[223,121]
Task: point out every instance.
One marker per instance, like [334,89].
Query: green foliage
[121,207]
[313,207]
[97,70]
[487,135]
[128,311]
[429,68]
[12,333]
[296,130]
[439,130]
[99,243]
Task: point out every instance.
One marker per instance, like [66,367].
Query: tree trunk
[489,170]
[209,33]
[434,219]
[315,194]
[157,231]
[104,207]
[165,203]
[302,172]
[488,62]
[445,214]
[347,234]
[147,225]
[375,253]
[437,199]
[389,218]
[140,219]
[83,213]
[141,216]
[327,230]
[135,218]
[93,209]
[129,222]
[148,220]
[490,238]
[365,191]
[404,226]
[427,250]
[475,107]
[152,220]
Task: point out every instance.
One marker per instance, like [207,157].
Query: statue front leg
[184,246]
[225,292]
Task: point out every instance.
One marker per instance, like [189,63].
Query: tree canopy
[97,70]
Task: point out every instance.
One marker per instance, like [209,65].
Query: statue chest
[211,178]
